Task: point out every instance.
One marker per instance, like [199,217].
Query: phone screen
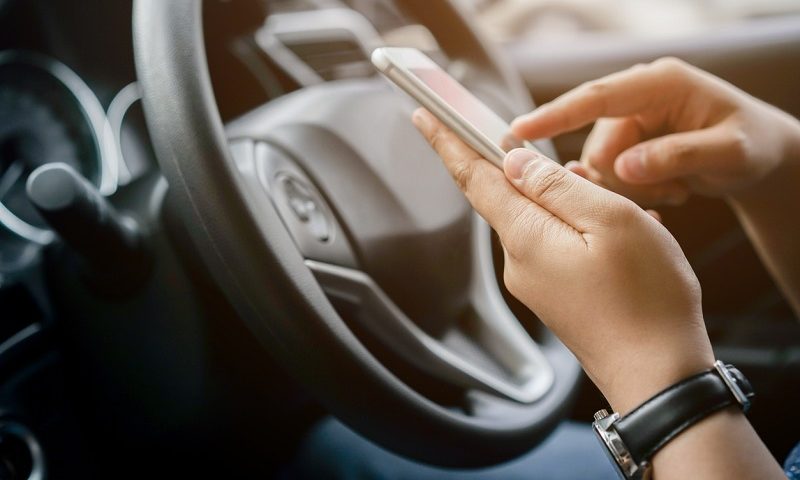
[468,106]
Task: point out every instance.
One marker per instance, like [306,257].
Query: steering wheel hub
[393,205]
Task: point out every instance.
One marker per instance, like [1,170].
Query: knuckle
[599,91]
[597,88]
[684,152]
[463,172]
[625,213]
[548,181]
[675,75]
[670,65]
[673,70]
[679,152]
[437,139]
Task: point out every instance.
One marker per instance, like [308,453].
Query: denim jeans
[792,464]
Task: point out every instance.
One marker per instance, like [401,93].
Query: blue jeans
[333,451]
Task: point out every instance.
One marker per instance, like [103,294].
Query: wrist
[647,371]
[693,429]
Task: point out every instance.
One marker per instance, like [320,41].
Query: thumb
[674,156]
[570,197]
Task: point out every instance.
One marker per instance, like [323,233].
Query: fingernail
[633,162]
[517,161]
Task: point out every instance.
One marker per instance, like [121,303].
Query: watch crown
[600,414]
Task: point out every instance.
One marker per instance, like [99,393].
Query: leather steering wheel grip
[251,255]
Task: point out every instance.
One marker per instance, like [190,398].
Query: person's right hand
[605,277]
[667,129]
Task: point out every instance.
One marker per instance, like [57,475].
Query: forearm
[725,445]
[769,215]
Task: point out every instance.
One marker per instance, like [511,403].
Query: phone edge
[427,98]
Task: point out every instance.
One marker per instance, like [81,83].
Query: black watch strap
[657,421]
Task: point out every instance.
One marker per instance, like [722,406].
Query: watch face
[610,456]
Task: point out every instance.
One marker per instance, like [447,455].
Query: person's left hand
[600,272]
[666,130]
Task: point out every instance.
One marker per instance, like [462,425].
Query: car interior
[218,226]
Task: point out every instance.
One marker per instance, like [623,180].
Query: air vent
[334,59]
[320,45]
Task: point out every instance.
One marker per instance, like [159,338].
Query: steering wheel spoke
[485,349]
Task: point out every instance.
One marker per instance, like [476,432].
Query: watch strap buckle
[603,427]
[731,380]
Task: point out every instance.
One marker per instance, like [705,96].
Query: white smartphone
[474,122]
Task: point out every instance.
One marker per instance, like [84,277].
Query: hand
[666,130]
[602,274]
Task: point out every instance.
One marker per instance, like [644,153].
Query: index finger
[623,93]
[484,185]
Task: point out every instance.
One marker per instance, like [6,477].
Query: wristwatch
[631,441]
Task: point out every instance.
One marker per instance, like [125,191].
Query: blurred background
[573,20]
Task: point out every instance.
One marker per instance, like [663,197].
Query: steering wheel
[345,246]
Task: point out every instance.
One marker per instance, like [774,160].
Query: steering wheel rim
[295,315]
